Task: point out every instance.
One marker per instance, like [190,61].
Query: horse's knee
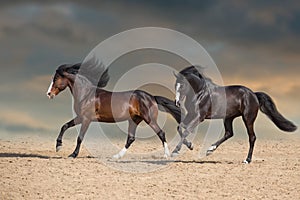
[189,129]
[64,128]
[181,126]
[185,133]
[228,134]
[252,139]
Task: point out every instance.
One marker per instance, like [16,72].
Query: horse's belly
[113,115]
[222,112]
[215,115]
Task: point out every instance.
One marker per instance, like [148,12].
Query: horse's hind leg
[249,123]
[66,126]
[162,136]
[228,134]
[249,118]
[132,125]
[150,117]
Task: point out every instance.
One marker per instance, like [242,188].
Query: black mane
[69,68]
[190,70]
[92,69]
[198,71]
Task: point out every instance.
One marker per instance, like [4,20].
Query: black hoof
[247,161]
[211,149]
[58,147]
[190,146]
[209,152]
[73,155]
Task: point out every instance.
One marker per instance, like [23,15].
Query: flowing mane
[198,71]
[92,69]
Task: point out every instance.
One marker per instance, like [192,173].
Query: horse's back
[241,99]
[135,102]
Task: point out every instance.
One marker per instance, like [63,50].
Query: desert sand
[31,169]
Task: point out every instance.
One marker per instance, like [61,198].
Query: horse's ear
[76,66]
[73,68]
[68,75]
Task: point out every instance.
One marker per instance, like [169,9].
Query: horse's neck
[197,85]
[81,89]
[201,92]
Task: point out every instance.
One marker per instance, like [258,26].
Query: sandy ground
[30,169]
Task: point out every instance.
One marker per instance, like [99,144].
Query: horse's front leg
[185,141]
[188,129]
[84,126]
[67,125]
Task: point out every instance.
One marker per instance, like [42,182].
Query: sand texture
[31,169]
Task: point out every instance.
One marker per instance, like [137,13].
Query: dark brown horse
[206,100]
[93,104]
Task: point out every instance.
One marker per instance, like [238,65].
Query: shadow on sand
[155,162]
[22,155]
[30,155]
[165,162]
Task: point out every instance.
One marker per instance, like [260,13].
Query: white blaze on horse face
[49,90]
[177,92]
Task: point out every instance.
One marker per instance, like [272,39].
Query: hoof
[208,153]
[191,147]
[167,154]
[210,150]
[73,155]
[58,148]
[120,154]
[175,154]
[246,162]
[116,156]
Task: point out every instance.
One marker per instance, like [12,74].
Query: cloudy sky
[253,43]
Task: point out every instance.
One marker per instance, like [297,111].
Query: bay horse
[201,94]
[94,104]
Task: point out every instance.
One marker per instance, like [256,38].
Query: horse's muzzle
[50,96]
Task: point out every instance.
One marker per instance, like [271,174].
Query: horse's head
[189,82]
[58,84]
[182,88]
[62,78]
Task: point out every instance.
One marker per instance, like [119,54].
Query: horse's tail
[166,105]
[268,107]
